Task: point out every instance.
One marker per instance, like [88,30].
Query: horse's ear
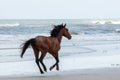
[65,25]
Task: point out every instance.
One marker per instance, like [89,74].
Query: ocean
[77,27]
[91,39]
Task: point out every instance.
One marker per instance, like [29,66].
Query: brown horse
[49,44]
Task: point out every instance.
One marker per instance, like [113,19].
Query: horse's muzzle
[69,37]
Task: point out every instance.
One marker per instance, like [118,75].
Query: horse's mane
[56,30]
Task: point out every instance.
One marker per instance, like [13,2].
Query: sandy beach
[90,74]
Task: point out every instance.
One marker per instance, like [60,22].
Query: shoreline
[105,55]
[89,61]
[82,74]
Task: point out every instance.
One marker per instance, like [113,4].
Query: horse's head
[60,30]
[65,32]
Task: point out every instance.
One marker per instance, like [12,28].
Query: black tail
[26,45]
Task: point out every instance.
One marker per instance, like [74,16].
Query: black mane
[56,30]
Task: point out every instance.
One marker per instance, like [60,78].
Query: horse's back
[48,44]
[41,38]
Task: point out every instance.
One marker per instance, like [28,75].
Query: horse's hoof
[45,70]
[42,72]
[57,69]
[51,68]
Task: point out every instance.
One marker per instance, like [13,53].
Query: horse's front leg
[57,65]
[57,61]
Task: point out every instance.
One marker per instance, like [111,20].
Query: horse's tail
[26,45]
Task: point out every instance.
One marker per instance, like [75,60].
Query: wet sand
[90,74]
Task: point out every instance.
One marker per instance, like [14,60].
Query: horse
[50,44]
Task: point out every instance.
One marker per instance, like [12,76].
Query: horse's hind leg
[41,60]
[57,61]
[36,53]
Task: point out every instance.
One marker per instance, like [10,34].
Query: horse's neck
[59,38]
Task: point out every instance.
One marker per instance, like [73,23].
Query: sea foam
[9,24]
[105,22]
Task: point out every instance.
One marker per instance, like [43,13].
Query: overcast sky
[59,9]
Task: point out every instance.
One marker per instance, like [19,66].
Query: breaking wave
[105,22]
[9,24]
